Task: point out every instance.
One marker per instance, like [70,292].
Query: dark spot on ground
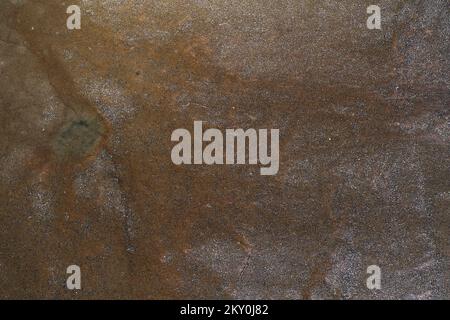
[78,138]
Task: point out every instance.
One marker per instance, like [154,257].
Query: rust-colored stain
[86,176]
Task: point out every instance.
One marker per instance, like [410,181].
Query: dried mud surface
[86,176]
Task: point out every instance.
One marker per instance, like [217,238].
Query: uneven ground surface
[86,176]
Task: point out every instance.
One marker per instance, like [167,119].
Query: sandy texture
[86,176]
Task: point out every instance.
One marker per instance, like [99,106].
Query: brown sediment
[359,113]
